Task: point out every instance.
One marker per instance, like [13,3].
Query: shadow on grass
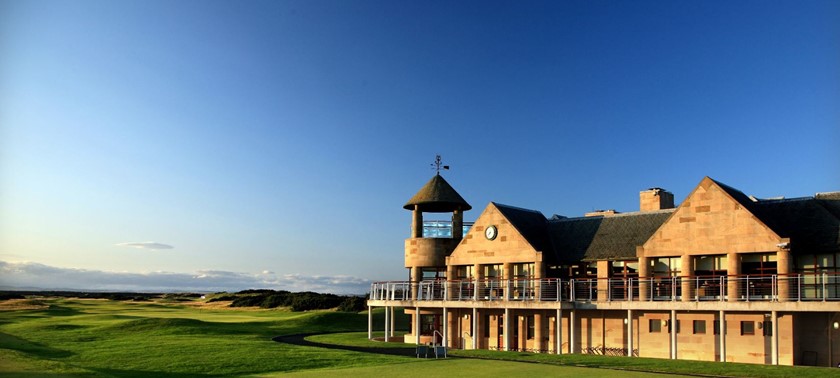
[300,339]
[148,373]
[12,342]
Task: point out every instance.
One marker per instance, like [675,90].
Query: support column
[474,328]
[539,344]
[552,332]
[572,348]
[603,268]
[445,335]
[392,321]
[687,273]
[417,325]
[451,335]
[370,323]
[734,269]
[522,331]
[450,279]
[644,279]
[387,323]
[506,330]
[507,275]
[673,328]
[539,273]
[722,335]
[774,338]
[416,222]
[416,277]
[784,268]
[479,276]
[559,329]
[457,224]
[629,333]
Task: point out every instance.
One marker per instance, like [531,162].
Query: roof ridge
[617,215]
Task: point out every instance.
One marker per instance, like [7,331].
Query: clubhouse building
[721,277]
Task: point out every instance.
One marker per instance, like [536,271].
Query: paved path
[300,339]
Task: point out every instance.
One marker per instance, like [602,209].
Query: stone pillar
[522,332]
[539,274]
[784,268]
[417,325]
[687,273]
[539,344]
[733,270]
[416,222]
[452,329]
[604,273]
[416,277]
[457,224]
[450,279]
[479,277]
[644,279]
[507,275]
[370,323]
[552,332]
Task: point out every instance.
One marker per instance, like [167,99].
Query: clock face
[490,232]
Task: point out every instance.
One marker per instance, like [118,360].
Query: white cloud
[145,245]
[34,275]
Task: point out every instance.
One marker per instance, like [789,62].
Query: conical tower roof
[437,196]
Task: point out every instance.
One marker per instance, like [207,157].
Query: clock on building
[491,232]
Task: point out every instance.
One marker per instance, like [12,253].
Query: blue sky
[280,138]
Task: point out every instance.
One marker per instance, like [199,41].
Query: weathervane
[437,165]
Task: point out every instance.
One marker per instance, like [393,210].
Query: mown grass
[624,364]
[123,339]
[103,338]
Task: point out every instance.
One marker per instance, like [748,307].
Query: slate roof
[531,224]
[603,238]
[812,223]
[811,227]
[437,196]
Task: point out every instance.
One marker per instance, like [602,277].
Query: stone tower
[427,253]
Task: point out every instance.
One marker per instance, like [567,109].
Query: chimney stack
[655,199]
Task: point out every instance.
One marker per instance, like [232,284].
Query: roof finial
[438,164]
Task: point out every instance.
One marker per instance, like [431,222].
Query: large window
[464,272]
[758,264]
[665,266]
[820,275]
[710,272]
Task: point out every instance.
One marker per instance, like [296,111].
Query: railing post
[748,288]
[773,289]
[609,289]
[571,290]
[824,291]
[799,288]
[721,289]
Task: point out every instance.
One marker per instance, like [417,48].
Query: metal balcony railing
[794,287]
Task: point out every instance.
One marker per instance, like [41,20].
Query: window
[699,327]
[747,328]
[464,272]
[767,328]
[487,325]
[717,327]
[665,266]
[758,264]
[655,325]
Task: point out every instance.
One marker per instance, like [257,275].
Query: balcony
[772,288]
[442,229]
